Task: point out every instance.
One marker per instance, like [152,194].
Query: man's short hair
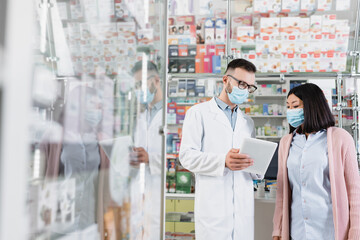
[138,67]
[241,63]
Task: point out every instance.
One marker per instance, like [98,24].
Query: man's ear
[157,80]
[225,79]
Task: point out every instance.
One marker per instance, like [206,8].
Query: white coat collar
[221,117]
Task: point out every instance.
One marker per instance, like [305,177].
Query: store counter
[264,212]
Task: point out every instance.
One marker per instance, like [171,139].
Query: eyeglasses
[243,85]
[138,84]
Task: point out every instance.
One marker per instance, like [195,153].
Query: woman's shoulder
[286,138]
[285,141]
[339,134]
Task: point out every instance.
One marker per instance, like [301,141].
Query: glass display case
[290,42]
[97,97]
[110,85]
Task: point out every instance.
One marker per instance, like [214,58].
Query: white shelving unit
[271,96]
[186,196]
[267,116]
[268,137]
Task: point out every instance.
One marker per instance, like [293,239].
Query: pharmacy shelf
[267,116]
[191,196]
[185,104]
[174,125]
[186,196]
[271,96]
[265,199]
[268,137]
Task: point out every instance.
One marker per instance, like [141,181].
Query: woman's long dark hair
[317,114]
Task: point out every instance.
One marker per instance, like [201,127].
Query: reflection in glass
[97,96]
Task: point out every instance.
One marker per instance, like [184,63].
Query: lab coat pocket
[213,197]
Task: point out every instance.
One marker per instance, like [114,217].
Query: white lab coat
[148,137]
[224,199]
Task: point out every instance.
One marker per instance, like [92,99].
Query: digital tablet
[259,150]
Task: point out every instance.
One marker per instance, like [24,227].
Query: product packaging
[209,31]
[182,88]
[180,114]
[269,28]
[308,5]
[220,31]
[173,50]
[190,86]
[245,34]
[324,5]
[290,5]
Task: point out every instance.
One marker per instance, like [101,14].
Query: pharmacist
[212,132]
[147,150]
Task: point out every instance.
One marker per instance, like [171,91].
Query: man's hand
[139,156]
[237,161]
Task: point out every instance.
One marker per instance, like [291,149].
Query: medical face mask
[140,96]
[238,96]
[93,117]
[295,117]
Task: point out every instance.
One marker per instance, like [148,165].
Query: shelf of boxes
[267,116]
[271,96]
[268,137]
[189,196]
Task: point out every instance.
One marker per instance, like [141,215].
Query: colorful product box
[192,50]
[263,47]
[308,5]
[171,113]
[304,28]
[173,88]
[269,28]
[329,26]
[183,182]
[191,65]
[275,47]
[220,30]
[316,27]
[182,65]
[245,34]
[199,64]
[275,6]
[210,50]
[240,21]
[290,28]
[173,50]
[324,5]
[200,91]
[209,31]
[220,50]
[200,31]
[173,66]
[145,36]
[181,88]
[183,50]
[216,64]
[180,114]
[261,6]
[200,50]
[190,86]
[342,29]
[207,64]
[290,5]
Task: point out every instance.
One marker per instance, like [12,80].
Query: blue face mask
[295,117]
[93,117]
[238,96]
[140,96]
